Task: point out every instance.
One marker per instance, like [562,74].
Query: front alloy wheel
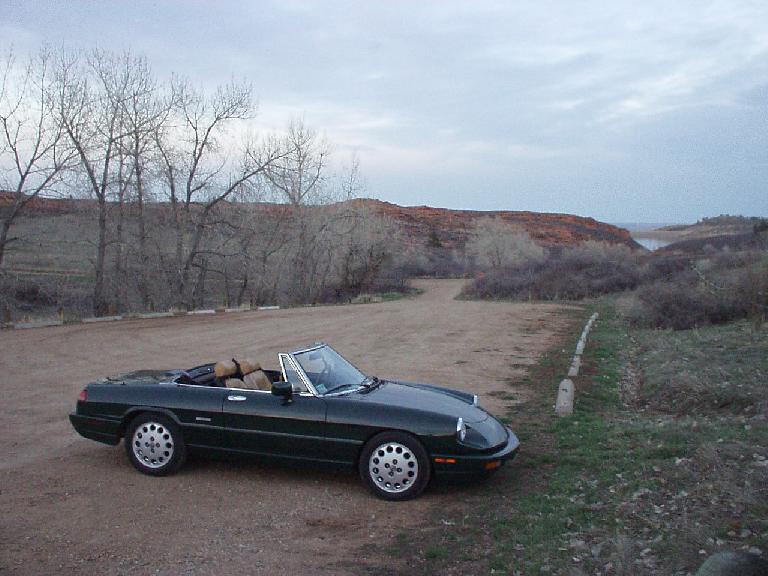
[395,466]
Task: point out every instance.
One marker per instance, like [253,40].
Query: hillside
[447,227]
[718,232]
[451,227]
[717,226]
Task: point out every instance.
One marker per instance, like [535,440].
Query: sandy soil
[72,506]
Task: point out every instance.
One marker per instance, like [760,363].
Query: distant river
[642,233]
[652,243]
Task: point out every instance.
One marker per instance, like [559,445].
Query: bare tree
[496,244]
[198,172]
[260,232]
[91,97]
[299,175]
[364,248]
[123,183]
[102,124]
[358,242]
[146,110]
[33,151]
[298,179]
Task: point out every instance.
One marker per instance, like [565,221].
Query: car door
[264,424]
[199,410]
[261,423]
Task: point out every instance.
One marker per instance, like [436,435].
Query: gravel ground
[72,506]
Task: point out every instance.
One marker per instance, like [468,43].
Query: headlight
[461,430]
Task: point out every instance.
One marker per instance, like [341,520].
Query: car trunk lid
[141,377]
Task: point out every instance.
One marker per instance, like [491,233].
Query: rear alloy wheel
[395,466]
[154,445]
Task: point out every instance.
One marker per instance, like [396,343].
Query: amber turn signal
[492,465]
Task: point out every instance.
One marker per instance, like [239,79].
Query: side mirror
[283,389]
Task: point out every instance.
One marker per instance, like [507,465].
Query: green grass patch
[627,484]
[435,553]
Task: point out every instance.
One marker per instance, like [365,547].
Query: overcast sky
[627,112]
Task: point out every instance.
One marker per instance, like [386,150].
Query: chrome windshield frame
[308,382]
[283,357]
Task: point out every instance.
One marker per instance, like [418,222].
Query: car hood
[423,397]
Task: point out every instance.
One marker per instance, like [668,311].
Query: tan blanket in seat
[253,378]
[257,381]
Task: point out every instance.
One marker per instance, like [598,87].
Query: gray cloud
[621,111]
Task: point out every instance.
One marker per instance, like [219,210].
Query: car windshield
[328,370]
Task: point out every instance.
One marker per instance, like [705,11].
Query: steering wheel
[324,377]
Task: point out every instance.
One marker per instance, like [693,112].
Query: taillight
[83,396]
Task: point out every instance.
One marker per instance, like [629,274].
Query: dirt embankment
[418,223]
[72,506]
[452,228]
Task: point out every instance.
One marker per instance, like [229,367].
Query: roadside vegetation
[665,459]
[175,201]
[679,287]
[663,462]
[123,191]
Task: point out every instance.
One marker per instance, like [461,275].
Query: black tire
[395,466]
[155,445]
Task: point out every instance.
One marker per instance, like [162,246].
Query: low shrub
[720,289]
[673,305]
[677,291]
[591,269]
[662,266]
[32,293]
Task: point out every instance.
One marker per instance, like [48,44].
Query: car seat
[226,373]
[254,377]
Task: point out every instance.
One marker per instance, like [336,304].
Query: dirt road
[72,506]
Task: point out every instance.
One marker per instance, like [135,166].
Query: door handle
[236,398]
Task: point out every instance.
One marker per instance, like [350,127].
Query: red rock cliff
[452,226]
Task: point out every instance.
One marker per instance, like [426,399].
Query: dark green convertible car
[317,408]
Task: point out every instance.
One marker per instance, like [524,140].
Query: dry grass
[642,480]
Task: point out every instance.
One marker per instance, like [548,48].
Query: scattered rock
[734,564]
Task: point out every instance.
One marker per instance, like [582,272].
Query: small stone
[640,493]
